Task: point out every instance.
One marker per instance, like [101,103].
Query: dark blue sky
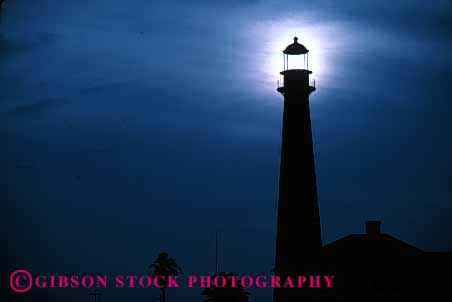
[130,127]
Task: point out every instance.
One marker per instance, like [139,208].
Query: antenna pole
[216,252]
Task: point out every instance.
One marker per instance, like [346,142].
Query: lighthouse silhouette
[298,239]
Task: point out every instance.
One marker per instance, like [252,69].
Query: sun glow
[320,39]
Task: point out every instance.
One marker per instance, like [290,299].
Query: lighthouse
[298,236]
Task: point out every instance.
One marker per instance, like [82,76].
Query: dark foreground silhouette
[375,266]
[226,293]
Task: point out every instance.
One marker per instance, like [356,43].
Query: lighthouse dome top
[295,48]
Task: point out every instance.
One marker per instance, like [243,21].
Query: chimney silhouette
[298,237]
[373,228]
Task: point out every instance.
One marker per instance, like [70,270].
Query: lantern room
[299,56]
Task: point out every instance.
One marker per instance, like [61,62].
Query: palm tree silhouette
[164,265]
[226,293]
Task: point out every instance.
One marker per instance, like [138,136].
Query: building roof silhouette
[376,266]
[373,242]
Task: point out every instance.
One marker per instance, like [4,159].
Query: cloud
[36,108]
[12,45]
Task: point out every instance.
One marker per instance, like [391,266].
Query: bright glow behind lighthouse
[322,40]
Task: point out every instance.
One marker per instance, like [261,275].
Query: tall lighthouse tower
[298,239]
